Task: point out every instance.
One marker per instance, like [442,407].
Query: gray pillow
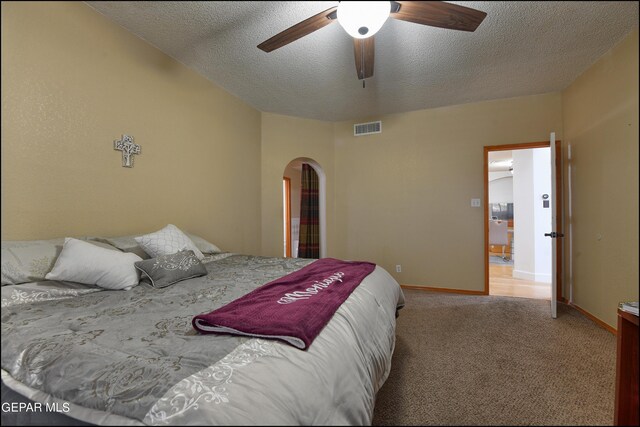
[166,270]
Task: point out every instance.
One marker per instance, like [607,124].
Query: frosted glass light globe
[362,19]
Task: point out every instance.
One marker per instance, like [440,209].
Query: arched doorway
[292,198]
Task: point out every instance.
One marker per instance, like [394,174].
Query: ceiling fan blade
[438,14]
[364,50]
[299,30]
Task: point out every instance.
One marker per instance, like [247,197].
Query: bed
[132,357]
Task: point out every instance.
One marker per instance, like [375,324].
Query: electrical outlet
[398,268]
[475,203]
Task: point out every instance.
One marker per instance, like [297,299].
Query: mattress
[132,357]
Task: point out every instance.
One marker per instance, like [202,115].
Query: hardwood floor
[502,283]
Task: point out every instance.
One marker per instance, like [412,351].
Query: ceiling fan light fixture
[362,19]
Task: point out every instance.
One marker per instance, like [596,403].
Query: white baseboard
[544,278]
[527,275]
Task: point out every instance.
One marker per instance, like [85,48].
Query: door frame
[322,200]
[557,200]
[286,181]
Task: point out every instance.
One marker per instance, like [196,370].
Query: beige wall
[284,139]
[403,196]
[72,83]
[600,113]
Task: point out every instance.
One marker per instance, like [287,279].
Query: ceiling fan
[362,19]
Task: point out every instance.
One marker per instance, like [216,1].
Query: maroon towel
[293,308]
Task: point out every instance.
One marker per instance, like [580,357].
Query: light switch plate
[475,203]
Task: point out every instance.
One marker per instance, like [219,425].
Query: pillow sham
[129,244]
[83,262]
[167,241]
[30,260]
[203,245]
[166,270]
[125,244]
[101,245]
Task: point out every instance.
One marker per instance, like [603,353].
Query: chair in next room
[499,234]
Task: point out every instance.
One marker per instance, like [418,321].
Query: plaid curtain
[309,240]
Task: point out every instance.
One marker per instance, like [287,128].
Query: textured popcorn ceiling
[521,48]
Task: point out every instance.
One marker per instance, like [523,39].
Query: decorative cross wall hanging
[128,148]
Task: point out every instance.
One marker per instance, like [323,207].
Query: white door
[554,233]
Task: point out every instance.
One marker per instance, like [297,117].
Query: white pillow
[85,263]
[167,241]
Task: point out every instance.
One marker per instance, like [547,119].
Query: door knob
[554,235]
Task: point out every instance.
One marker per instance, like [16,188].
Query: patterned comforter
[132,357]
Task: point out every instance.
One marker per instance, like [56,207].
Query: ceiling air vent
[367,128]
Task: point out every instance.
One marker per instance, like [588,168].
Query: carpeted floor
[487,360]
